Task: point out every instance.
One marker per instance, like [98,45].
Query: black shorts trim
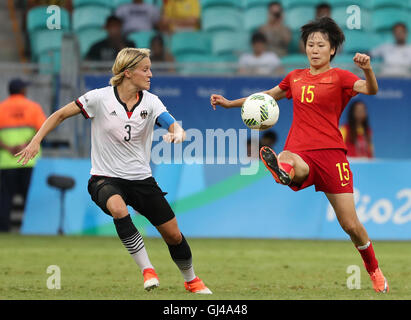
[144,196]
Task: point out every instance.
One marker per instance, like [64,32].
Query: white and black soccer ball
[260,111]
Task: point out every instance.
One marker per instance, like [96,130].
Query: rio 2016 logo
[381,210]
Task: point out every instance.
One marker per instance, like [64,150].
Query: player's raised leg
[181,254]
[286,168]
[344,207]
[132,240]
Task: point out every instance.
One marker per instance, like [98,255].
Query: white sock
[188,274]
[142,260]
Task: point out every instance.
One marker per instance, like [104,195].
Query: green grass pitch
[101,268]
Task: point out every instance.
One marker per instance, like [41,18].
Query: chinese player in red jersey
[314,152]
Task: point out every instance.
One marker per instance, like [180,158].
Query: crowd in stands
[270,29]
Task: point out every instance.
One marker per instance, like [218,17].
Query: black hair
[258,37]
[352,125]
[400,24]
[323,5]
[158,37]
[275,3]
[113,18]
[326,26]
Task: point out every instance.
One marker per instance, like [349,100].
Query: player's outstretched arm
[51,122]
[217,99]
[175,133]
[370,84]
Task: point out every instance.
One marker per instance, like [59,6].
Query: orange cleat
[197,286]
[150,279]
[379,282]
[270,160]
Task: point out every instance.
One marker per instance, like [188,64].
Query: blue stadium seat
[294,45]
[288,4]
[183,43]
[88,37]
[218,64]
[37,19]
[230,43]
[256,3]
[85,3]
[377,4]
[50,62]
[294,61]
[340,15]
[255,17]
[205,4]
[346,3]
[344,61]
[384,18]
[221,19]
[141,39]
[296,17]
[117,3]
[90,17]
[44,41]
[359,41]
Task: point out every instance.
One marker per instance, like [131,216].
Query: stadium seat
[384,18]
[294,45]
[344,61]
[230,43]
[255,17]
[359,41]
[117,3]
[44,41]
[256,3]
[296,17]
[294,61]
[221,3]
[288,4]
[207,64]
[88,37]
[183,43]
[141,39]
[346,3]
[90,17]
[377,4]
[50,62]
[221,19]
[37,19]
[340,15]
[85,3]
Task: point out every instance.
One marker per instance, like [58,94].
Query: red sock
[288,168]
[368,256]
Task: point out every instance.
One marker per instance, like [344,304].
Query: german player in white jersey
[123,116]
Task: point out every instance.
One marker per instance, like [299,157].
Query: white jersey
[120,140]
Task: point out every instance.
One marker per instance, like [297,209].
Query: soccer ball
[260,111]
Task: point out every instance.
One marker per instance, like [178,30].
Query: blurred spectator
[357,133]
[20,119]
[181,15]
[159,53]
[269,139]
[260,61]
[138,16]
[322,10]
[107,49]
[396,56]
[278,35]
[66,4]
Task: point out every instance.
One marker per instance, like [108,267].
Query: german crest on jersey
[143,114]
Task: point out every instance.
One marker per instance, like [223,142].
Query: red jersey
[318,102]
[362,146]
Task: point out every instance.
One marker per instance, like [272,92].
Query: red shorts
[329,171]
